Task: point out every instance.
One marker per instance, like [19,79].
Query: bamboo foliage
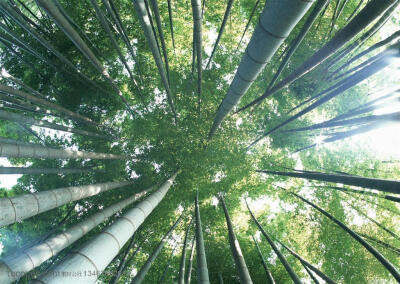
[46,44]
[92,256]
[276,22]
[21,263]
[24,206]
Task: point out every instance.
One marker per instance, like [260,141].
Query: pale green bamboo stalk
[16,265]
[34,151]
[98,252]
[38,171]
[276,22]
[21,207]
[202,270]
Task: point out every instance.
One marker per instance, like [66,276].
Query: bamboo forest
[200,141]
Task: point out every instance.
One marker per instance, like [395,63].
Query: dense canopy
[290,108]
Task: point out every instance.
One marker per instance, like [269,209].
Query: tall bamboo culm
[15,266]
[98,252]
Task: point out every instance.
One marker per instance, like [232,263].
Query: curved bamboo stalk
[43,28]
[240,263]
[276,22]
[31,13]
[130,259]
[270,279]
[281,257]
[181,275]
[42,123]
[221,30]
[202,270]
[34,151]
[143,16]
[24,206]
[92,256]
[17,265]
[38,171]
[139,277]
[356,68]
[367,15]
[150,15]
[386,263]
